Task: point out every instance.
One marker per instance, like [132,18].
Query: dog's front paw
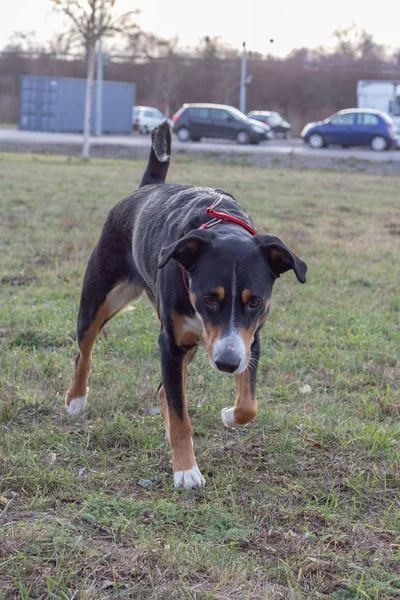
[228,418]
[190,479]
[77,405]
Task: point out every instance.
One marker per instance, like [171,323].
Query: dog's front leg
[174,364]
[245,409]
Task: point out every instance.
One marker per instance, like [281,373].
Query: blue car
[353,127]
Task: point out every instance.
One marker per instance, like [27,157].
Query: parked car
[353,127]
[145,118]
[194,121]
[277,123]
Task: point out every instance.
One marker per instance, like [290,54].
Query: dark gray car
[195,121]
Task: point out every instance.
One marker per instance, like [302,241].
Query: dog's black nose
[229,364]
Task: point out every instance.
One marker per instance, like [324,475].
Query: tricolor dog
[209,275]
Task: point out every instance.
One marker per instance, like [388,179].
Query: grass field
[303,504]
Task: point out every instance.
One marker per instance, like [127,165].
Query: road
[292,148]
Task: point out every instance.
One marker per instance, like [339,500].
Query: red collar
[219,217]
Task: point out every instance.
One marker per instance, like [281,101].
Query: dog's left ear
[280,258]
[188,250]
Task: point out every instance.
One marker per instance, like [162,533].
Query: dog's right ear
[188,249]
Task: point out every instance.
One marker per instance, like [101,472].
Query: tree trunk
[88,102]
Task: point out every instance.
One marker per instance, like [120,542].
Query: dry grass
[304,504]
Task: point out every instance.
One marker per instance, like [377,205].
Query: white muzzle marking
[234,343]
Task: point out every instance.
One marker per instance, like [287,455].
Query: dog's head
[230,285]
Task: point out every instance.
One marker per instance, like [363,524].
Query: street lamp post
[243,78]
[99,81]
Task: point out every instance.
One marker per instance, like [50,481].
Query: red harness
[219,217]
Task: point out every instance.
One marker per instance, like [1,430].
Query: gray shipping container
[58,104]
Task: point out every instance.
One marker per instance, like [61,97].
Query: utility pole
[243,78]
[99,81]
[91,59]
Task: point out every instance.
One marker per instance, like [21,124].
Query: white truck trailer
[380,94]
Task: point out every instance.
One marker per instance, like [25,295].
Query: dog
[209,275]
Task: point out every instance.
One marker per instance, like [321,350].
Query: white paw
[228,418]
[190,479]
[77,405]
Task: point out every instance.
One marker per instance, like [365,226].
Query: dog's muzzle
[230,354]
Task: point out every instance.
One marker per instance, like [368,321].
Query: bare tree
[83,18]
[355,44]
[144,46]
[166,71]
[88,21]
[61,44]
[23,42]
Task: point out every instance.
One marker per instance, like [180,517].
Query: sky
[290,23]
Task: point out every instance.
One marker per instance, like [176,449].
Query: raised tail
[160,154]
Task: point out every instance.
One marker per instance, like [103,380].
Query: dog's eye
[210,300]
[254,303]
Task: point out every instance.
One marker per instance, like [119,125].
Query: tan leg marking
[162,399]
[116,300]
[245,409]
[180,429]
[246,404]
[183,337]
[84,362]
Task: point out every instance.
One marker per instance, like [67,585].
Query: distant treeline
[303,87]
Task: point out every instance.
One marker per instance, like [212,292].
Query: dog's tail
[160,153]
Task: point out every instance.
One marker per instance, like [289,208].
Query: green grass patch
[303,504]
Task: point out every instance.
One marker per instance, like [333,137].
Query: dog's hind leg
[108,287]
[245,409]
